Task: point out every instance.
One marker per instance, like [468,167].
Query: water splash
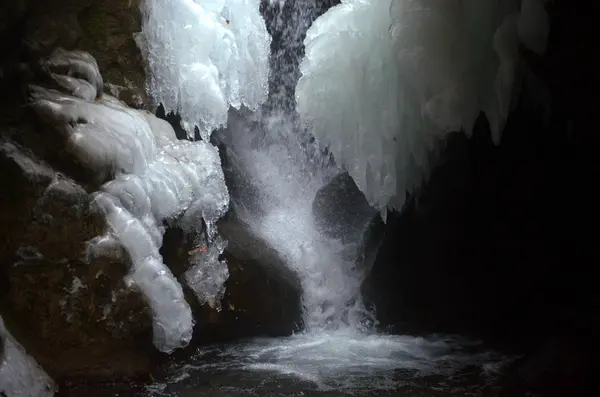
[281,168]
[286,168]
[339,363]
[286,175]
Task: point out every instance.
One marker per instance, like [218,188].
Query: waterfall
[287,168]
[383,82]
[207,55]
[216,74]
[287,179]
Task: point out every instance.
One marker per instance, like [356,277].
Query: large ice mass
[148,178]
[205,55]
[383,81]
[20,375]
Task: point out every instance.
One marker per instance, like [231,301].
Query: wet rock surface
[340,209]
[262,297]
[75,316]
[31,29]
[495,246]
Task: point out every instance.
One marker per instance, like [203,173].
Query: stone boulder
[78,318]
[262,297]
[341,211]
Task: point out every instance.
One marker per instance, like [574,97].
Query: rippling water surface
[334,364]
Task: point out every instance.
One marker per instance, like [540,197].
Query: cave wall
[501,243]
[501,240]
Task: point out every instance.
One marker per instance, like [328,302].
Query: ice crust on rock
[384,81]
[149,178]
[205,55]
[20,375]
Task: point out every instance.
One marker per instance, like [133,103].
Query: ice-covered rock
[205,55]
[20,375]
[149,177]
[104,28]
[76,72]
[384,81]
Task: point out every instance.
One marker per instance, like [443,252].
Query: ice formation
[204,55]
[152,178]
[383,81]
[534,25]
[20,375]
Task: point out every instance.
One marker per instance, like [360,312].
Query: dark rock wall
[511,226]
[502,244]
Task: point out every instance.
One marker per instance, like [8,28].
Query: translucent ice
[384,81]
[208,274]
[180,176]
[204,55]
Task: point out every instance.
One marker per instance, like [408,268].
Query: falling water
[287,168]
[282,169]
[287,183]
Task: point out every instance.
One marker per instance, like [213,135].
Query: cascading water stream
[206,54]
[200,73]
[287,167]
[287,183]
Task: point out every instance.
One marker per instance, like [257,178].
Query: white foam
[343,361]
